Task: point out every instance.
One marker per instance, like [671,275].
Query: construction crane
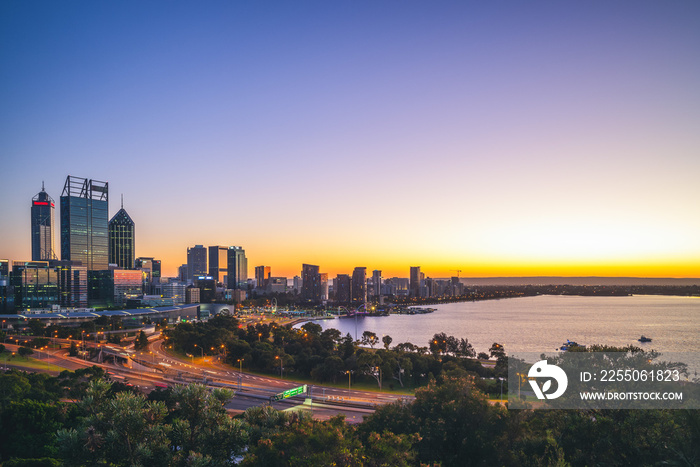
[456,270]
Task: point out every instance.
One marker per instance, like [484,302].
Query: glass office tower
[84,226]
[42,227]
[237,268]
[218,262]
[196,261]
[122,240]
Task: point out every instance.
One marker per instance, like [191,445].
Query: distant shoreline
[579,281]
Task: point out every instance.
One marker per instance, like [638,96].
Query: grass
[27,362]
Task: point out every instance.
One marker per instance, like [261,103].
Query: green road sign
[289,393]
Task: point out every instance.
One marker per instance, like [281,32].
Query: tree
[438,344]
[201,424]
[310,443]
[141,341]
[465,349]
[24,351]
[401,367]
[27,428]
[312,328]
[73,351]
[369,364]
[387,341]
[455,424]
[497,351]
[329,370]
[126,429]
[37,326]
[369,338]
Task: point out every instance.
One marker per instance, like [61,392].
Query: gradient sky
[499,138]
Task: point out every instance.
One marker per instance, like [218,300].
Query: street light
[240,372]
[501,388]
[202,350]
[349,372]
[45,349]
[278,358]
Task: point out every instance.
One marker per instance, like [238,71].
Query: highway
[157,367]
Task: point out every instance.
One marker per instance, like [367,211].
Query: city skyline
[538,140]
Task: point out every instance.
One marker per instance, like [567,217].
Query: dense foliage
[451,423]
[328,356]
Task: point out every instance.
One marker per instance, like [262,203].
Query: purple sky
[517,138]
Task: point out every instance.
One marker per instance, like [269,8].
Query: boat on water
[415,310]
[570,344]
[644,339]
[353,314]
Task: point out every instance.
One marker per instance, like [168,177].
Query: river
[543,323]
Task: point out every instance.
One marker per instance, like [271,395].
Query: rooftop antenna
[122,200]
[42,185]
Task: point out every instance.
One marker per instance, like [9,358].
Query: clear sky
[499,138]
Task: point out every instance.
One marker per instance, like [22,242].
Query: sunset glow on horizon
[511,140]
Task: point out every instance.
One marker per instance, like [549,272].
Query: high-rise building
[84,226]
[150,272]
[359,285]
[237,268]
[414,282]
[127,285]
[182,273]
[7,298]
[297,284]
[377,283]
[196,261]
[42,227]
[192,294]
[174,291]
[342,286]
[207,288]
[35,284]
[122,239]
[72,284]
[323,277]
[262,276]
[311,282]
[218,263]
[397,286]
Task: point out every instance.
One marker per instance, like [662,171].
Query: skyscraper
[218,262]
[84,226]
[376,282]
[72,284]
[122,240]
[359,285]
[237,268]
[341,287]
[262,276]
[311,282]
[414,282]
[42,227]
[196,261]
[150,273]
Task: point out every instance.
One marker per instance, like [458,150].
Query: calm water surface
[543,323]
